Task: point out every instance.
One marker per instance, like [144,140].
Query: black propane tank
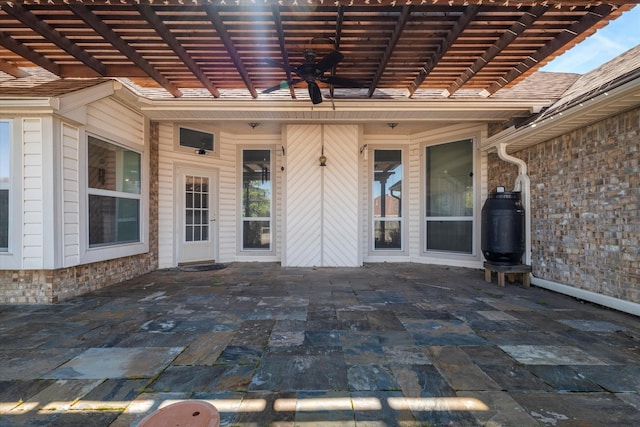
[503,239]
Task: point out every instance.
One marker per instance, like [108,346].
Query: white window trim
[259,253]
[108,252]
[403,251]
[12,258]
[447,257]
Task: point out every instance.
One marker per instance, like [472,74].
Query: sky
[619,36]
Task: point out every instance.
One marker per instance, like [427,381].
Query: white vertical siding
[70,194]
[340,197]
[166,209]
[413,187]
[227,199]
[303,235]
[32,215]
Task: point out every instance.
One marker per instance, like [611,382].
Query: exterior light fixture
[201,151]
[323,158]
[254,125]
[392,125]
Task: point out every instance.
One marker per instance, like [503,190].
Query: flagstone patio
[382,345]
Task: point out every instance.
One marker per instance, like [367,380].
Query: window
[196,213]
[387,200]
[5,181]
[449,197]
[196,139]
[256,200]
[114,177]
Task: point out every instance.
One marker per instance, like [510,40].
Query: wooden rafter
[505,40]
[108,34]
[216,20]
[45,30]
[12,70]
[395,36]
[148,13]
[588,20]
[28,54]
[464,20]
[336,43]
[277,19]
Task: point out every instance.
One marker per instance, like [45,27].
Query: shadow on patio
[381,345]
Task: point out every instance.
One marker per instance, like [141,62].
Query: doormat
[201,267]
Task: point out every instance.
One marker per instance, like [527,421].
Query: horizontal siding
[70,195]
[32,238]
[118,121]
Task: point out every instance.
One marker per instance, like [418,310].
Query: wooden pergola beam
[28,54]
[587,21]
[109,35]
[216,20]
[149,14]
[12,70]
[23,15]
[519,27]
[467,16]
[395,37]
[277,19]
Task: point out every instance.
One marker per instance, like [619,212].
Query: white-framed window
[195,140]
[5,184]
[114,178]
[449,197]
[257,200]
[387,227]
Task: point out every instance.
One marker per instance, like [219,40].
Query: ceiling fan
[312,72]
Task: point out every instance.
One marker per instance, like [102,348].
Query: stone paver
[382,345]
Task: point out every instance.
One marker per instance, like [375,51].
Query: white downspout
[522,184]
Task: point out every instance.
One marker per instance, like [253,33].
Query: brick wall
[585,213]
[50,286]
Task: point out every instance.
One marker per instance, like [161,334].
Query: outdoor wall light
[392,125]
[201,151]
[323,158]
[254,125]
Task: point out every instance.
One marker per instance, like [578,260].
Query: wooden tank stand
[509,270]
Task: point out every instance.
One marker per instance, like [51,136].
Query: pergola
[231,48]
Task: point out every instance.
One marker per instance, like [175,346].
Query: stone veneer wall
[585,213]
[50,286]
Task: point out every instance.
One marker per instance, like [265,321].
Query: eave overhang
[342,111]
[588,111]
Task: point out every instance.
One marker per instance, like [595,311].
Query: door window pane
[256,199]
[387,199]
[196,208]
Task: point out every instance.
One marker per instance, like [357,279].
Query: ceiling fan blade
[280,65]
[314,93]
[283,85]
[341,81]
[329,61]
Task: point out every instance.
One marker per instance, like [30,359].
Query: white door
[196,214]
